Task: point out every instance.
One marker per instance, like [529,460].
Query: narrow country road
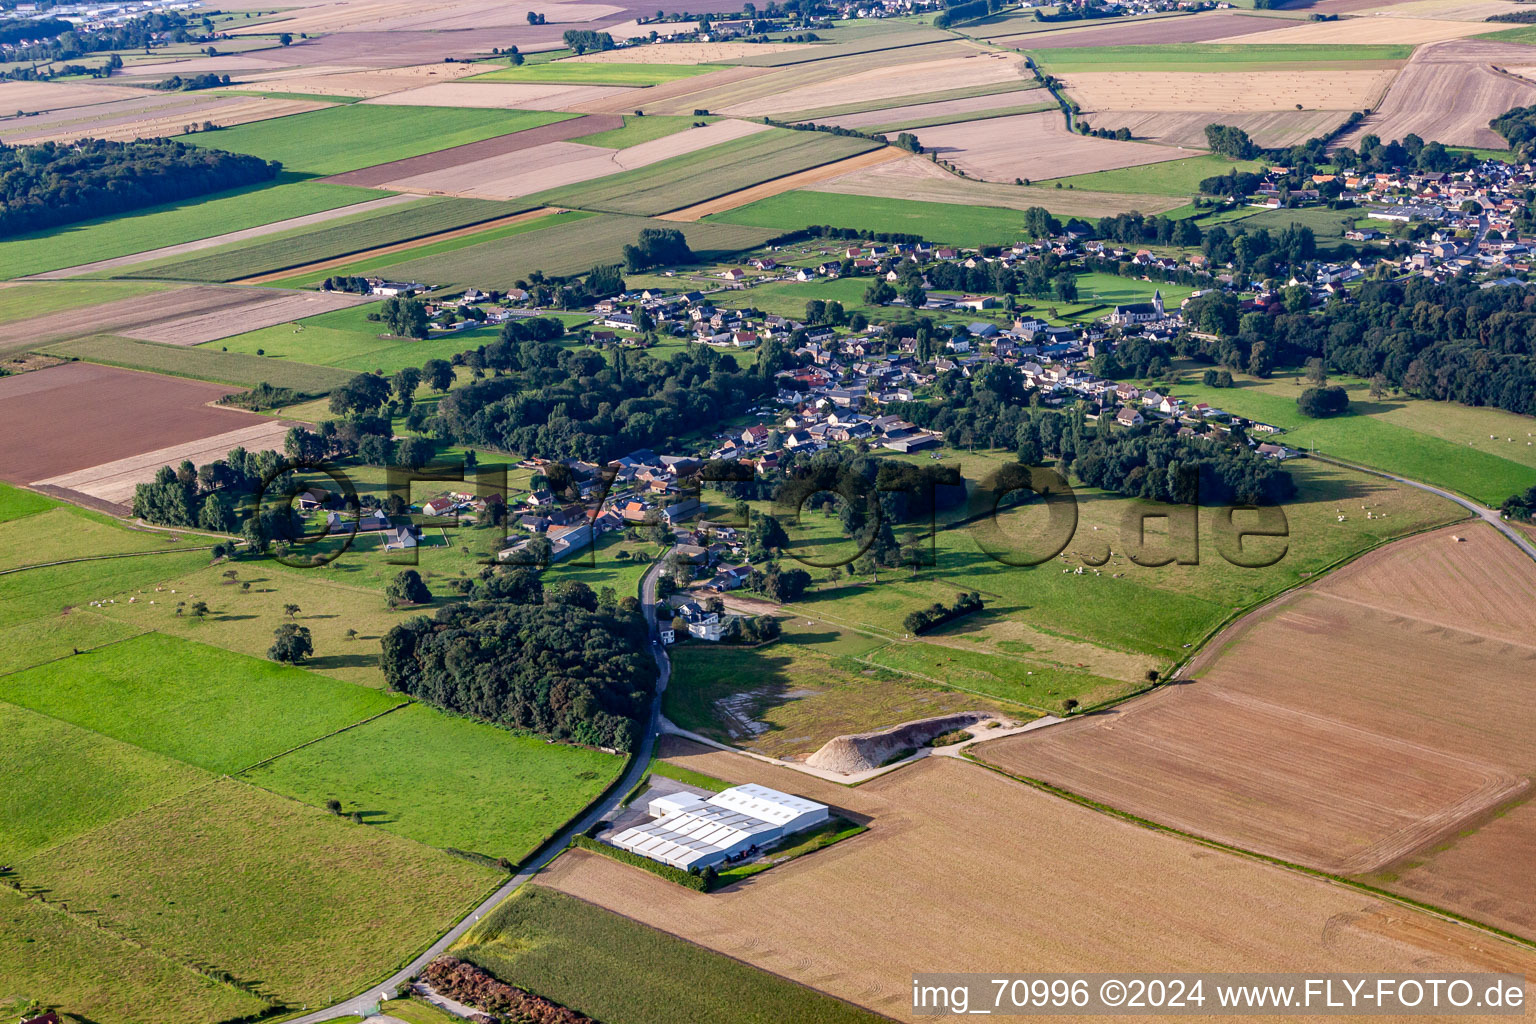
[1488,515]
[358,1005]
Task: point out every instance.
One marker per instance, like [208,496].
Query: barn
[689,831]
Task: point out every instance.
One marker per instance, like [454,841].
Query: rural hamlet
[815,512]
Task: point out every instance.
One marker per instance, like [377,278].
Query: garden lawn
[597,73]
[345,138]
[936,222]
[172,224]
[1215,57]
[203,705]
[58,781]
[448,782]
[305,905]
[622,972]
[1440,443]
[1169,178]
[57,959]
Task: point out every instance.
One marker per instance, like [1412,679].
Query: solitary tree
[291,644]
[291,610]
[199,609]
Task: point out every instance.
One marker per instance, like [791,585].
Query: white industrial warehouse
[692,832]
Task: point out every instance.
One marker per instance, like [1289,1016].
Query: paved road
[1488,515]
[637,765]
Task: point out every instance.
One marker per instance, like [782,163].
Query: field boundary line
[101,558]
[1216,844]
[235,775]
[27,668]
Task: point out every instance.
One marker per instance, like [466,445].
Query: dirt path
[385,250]
[788,183]
[233,236]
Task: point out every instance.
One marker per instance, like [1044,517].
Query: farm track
[407,246]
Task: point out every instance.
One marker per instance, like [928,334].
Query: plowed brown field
[1449,92]
[1353,726]
[963,870]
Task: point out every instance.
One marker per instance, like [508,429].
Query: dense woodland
[566,668]
[564,403]
[218,497]
[50,184]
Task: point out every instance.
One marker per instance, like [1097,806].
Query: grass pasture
[69,532]
[695,177]
[1486,454]
[202,363]
[59,780]
[937,222]
[16,503]
[346,338]
[173,224]
[202,705]
[53,590]
[1169,178]
[619,971]
[445,781]
[1205,57]
[62,960]
[567,248]
[302,246]
[306,906]
[345,138]
[26,299]
[597,73]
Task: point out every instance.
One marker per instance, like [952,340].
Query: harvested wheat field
[923,111]
[1449,92]
[365,84]
[564,163]
[1227,91]
[505,96]
[1195,28]
[1448,10]
[1366,30]
[71,417]
[347,16]
[961,856]
[787,183]
[1032,146]
[230,64]
[684,53]
[914,177]
[155,114]
[1273,128]
[37,96]
[685,95]
[266,308]
[130,314]
[1352,725]
[115,481]
[897,79]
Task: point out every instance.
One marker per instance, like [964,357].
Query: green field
[1117,290]
[567,249]
[16,503]
[1327,225]
[202,363]
[447,782]
[58,780]
[788,298]
[202,705]
[597,73]
[304,905]
[345,138]
[65,960]
[52,590]
[69,532]
[173,224]
[26,299]
[802,698]
[369,265]
[936,222]
[326,241]
[1169,178]
[1441,443]
[1525,34]
[641,129]
[622,972]
[347,338]
[695,177]
[1214,57]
